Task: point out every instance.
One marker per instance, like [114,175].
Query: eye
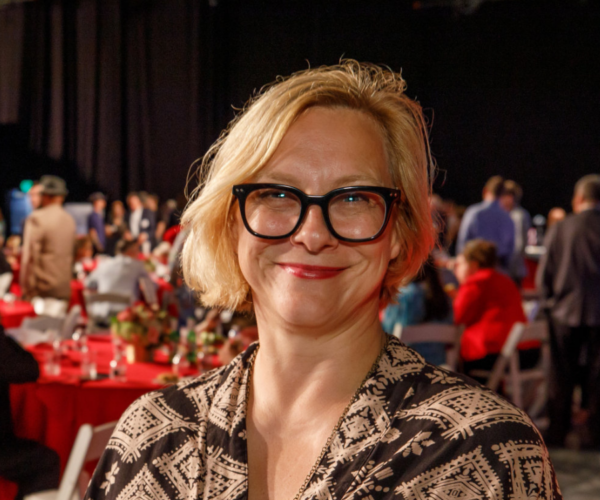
[273,193]
[355,198]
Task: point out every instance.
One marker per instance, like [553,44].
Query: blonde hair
[210,263]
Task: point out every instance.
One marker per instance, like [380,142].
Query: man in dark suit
[569,281]
[142,222]
[33,466]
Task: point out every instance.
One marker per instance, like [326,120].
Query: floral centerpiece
[211,341]
[143,329]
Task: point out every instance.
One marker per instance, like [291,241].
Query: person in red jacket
[488,304]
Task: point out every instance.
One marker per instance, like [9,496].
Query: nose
[313,233]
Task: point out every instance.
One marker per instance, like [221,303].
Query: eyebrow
[346,180]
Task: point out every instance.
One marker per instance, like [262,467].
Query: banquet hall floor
[578,473]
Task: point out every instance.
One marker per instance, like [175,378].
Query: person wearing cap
[47,260]
[95,222]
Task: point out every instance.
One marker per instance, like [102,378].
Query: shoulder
[67,218]
[465,434]
[480,279]
[434,387]
[35,216]
[582,219]
[165,419]
[187,404]
[473,210]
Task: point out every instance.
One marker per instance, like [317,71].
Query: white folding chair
[5,282]
[42,323]
[507,368]
[106,301]
[49,306]
[148,291]
[433,332]
[70,322]
[89,445]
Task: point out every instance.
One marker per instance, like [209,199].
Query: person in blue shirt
[487,220]
[511,202]
[422,301]
[95,221]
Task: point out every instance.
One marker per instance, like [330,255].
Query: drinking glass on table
[118,365]
[52,361]
[89,367]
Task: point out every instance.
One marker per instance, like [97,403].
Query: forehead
[327,148]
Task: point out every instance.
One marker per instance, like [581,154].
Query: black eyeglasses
[354,214]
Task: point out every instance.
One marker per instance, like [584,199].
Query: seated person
[421,301]
[5,267]
[6,275]
[488,304]
[12,249]
[31,465]
[83,253]
[120,275]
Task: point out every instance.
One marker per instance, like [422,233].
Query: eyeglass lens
[353,214]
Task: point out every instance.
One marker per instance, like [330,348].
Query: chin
[308,309]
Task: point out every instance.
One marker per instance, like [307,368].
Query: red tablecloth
[13,314]
[52,409]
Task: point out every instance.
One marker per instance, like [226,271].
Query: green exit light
[26,185]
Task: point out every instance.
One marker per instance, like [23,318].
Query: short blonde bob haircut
[210,263]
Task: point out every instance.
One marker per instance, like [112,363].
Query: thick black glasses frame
[390,196]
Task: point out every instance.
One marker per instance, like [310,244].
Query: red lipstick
[311,272]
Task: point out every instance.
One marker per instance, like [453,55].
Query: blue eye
[354,197]
[271,193]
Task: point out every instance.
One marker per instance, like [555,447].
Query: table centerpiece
[143,329]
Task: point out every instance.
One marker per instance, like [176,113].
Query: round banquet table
[52,409]
[12,314]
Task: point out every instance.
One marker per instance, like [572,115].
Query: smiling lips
[311,272]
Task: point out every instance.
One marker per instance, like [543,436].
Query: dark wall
[512,89]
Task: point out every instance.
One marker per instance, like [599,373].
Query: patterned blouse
[414,432]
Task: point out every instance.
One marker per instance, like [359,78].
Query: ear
[395,239]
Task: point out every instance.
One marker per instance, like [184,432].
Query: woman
[422,301]
[329,215]
[488,304]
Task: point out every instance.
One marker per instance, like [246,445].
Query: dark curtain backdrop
[120,94]
[126,94]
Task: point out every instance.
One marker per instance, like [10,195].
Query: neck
[294,365]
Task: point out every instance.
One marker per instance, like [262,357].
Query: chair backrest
[99,306]
[5,282]
[42,323]
[531,308]
[113,298]
[70,322]
[509,356]
[89,445]
[148,291]
[433,332]
[49,306]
